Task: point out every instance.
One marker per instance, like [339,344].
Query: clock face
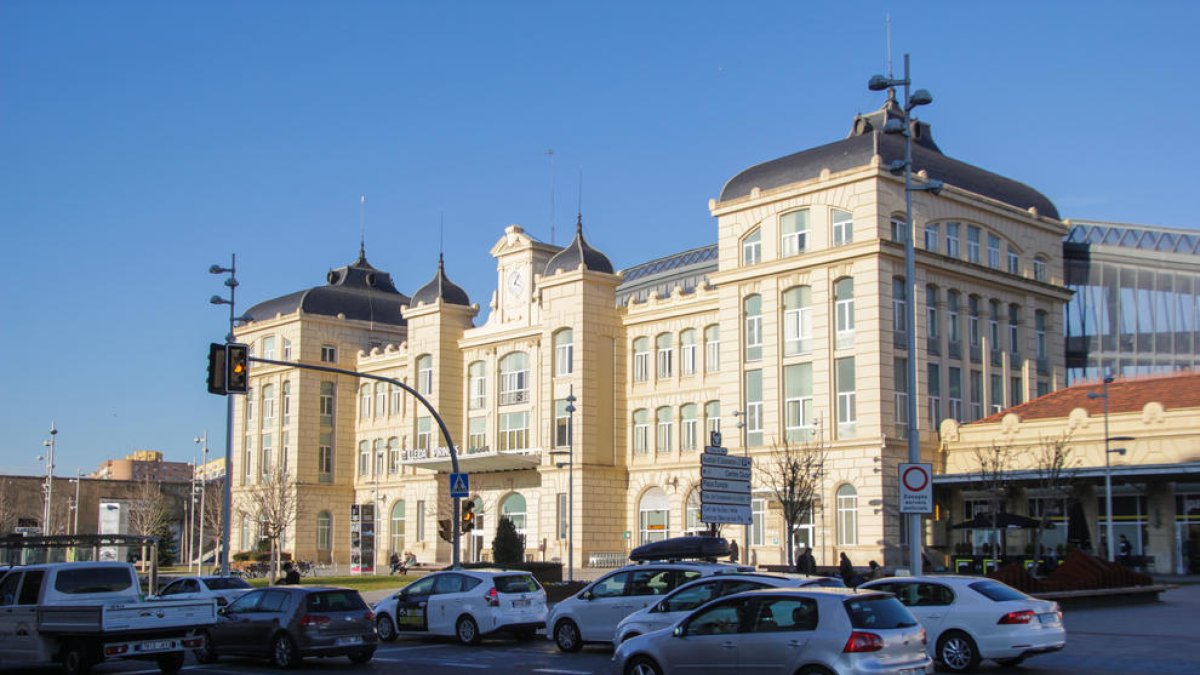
[516,283]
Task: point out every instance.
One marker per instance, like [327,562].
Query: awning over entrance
[473,461]
[1187,470]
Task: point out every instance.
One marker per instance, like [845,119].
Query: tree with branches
[994,462]
[149,513]
[8,508]
[794,477]
[214,496]
[272,503]
[1054,470]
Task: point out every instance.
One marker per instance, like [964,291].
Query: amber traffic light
[237,368]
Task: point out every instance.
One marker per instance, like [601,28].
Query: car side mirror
[678,632]
[586,595]
[222,611]
[661,606]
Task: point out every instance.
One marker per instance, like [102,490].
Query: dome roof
[357,291]
[441,288]
[578,253]
[867,139]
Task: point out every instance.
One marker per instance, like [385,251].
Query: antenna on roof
[888,23]
[579,219]
[441,233]
[550,155]
[362,227]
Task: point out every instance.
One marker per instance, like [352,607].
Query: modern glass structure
[1136,309]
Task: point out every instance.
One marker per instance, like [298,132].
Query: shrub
[507,547]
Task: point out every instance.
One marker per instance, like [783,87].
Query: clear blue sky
[141,142]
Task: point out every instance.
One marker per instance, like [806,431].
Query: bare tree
[8,508]
[1054,471]
[272,504]
[994,462]
[795,477]
[214,496]
[148,511]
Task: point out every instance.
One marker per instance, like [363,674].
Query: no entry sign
[916,488]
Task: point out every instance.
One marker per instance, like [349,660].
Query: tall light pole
[227,502]
[1108,496]
[203,441]
[904,128]
[571,484]
[49,489]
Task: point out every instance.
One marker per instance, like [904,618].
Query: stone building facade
[789,330]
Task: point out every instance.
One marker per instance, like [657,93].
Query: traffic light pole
[455,518]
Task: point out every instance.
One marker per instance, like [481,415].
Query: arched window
[513,508]
[793,232]
[662,417]
[287,402]
[397,527]
[843,297]
[268,404]
[641,359]
[847,516]
[752,247]
[752,311]
[364,402]
[712,418]
[514,378]
[797,320]
[393,448]
[364,458]
[380,400]
[397,395]
[665,342]
[324,531]
[477,384]
[712,349]
[687,352]
[641,431]
[564,352]
[379,457]
[689,432]
[654,516]
[425,374]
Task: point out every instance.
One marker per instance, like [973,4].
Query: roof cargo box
[682,548]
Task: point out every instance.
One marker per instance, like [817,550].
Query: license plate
[520,603]
[352,640]
[156,645]
[1048,617]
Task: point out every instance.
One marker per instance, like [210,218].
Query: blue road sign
[460,485]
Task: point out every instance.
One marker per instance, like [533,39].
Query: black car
[287,623]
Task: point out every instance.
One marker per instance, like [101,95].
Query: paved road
[1155,638]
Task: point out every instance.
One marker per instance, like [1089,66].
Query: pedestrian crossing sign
[460,485]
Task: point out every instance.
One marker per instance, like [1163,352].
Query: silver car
[812,631]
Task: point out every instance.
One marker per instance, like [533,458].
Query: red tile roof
[1175,391]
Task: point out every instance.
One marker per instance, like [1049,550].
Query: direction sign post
[724,486]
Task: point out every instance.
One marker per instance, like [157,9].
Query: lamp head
[893,126]
[878,83]
[217,300]
[1093,395]
[920,97]
[934,186]
[896,166]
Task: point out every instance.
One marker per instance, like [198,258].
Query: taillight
[1023,616]
[493,598]
[369,616]
[924,638]
[193,642]
[863,642]
[314,620]
[114,650]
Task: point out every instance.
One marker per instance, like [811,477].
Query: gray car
[287,623]
[810,631]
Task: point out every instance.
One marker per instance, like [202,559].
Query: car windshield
[517,583]
[93,580]
[996,591]
[335,601]
[226,583]
[879,612]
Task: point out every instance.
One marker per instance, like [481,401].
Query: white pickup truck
[79,614]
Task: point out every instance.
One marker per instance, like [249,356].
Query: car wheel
[815,670]
[1010,663]
[467,630]
[642,665]
[77,661]
[957,652]
[283,652]
[386,628]
[171,663]
[362,657]
[566,636]
[206,654]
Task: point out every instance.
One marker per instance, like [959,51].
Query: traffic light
[216,369]
[237,368]
[468,516]
[446,529]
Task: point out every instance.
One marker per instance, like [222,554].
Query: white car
[223,589]
[683,600]
[810,631]
[973,618]
[466,604]
[592,614]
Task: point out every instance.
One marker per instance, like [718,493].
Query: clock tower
[518,258]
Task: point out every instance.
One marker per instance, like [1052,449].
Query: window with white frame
[712,349]
[562,424]
[934,384]
[268,347]
[268,451]
[900,368]
[996,403]
[752,248]
[477,385]
[993,251]
[797,320]
[952,239]
[268,404]
[687,352]
[1014,330]
[393,449]
[564,352]
[899,305]
[250,407]
[955,395]
[327,391]
[325,458]
[973,320]
[514,431]
[754,408]
[931,312]
[712,419]
[799,414]
[424,433]
[758,517]
[324,531]
[477,434]
[847,399]
[641,431]
[665,344]
[793,232]
[899,229]
[752,310]
[952,328]
[287,349]
[286,402]
[976,395]
[973,244]
[847,516]
[285,450]
[689,426]
[1039,269]
[843,227]
[513,508]
[425,374]
[514,378]
[248,460]
[843,296]
[994,324]
[641,359]
[654,516]
[364,459]
[1014,261]
[1039,325]
[397,395]
[932,235]
[396,529]
[380,400]
[664,427]
[328,354]
[380,458]
[560,517]
[364,402]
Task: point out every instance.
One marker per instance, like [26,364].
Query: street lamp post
[49,489]
[227,499]
[203,441]
[570,464]
[1110,548]
[904,128]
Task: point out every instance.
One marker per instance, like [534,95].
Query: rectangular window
[1039,269]
[847,402]
[364,404]
[687,358]
[268,347]
[844,310]
[641,433]
[514,431]
[380,400]
[1040,326]
[754,337]
[561,518]
[758,512]
[561,424]
[1014,262]
[325,458]
[997,400]
[956,404]
[993,251]
[424,433]
[952,240]
[1043,388]
[328,354]
[397,399]
[843,227]
[327,390]
[364,459]
[976,395]
[972,244]
[931,312]
[1014,388]
[754,408]
[665,432]
[285,450]
[425,377]
[420,520]
[564,359]
[641,366]
[935,394]
[712,349]
[712,419]
[267,454]
[478,391]
[899,231]
[752,249]
[901,402]
[477,434]
[797,330]
[514,387]
[793,228]
[952,318]
[799,416]
[690,433]
[287,349]
[666,361]
[899,305]
[932,234]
